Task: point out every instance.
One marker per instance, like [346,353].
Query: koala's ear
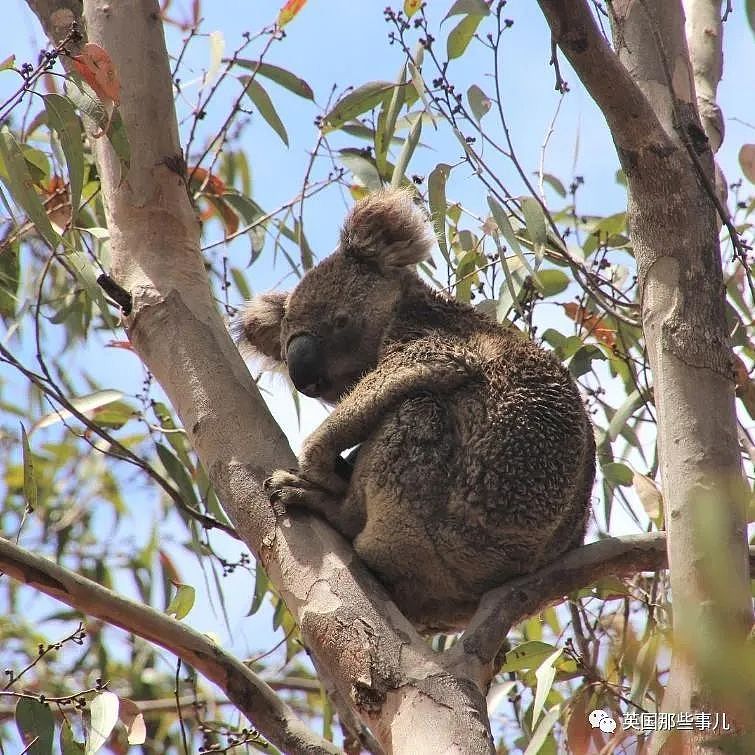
[387,228]
[257,326]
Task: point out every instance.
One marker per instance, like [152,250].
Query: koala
[476,456]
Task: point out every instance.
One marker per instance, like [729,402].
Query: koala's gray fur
[477,457]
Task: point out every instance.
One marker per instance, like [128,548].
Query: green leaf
[619,420]
[471,7]
[528,655]
[19,182]
[555,184]
[581,362]
[644,669]
[83,404]
[103,712]
[479,102]
[386,124]
[461,35]
[257,94]
[62,118]
[261,585]
[751,13]
[182,602]
[35,723]
[534,219]
[541,733]
[252,215]
[8,63]
[177,472]
[10,276]
[552,282]
[84,98]
[618,473]
[406,152]
[356,102]
[30,481]
[280,76]
[362,166]
[436,189]
[545,674]
[68,744]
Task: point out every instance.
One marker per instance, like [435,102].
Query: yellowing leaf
[182,603]
[411,7]
[289,10]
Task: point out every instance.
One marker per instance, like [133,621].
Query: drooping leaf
[545,674]
[356,102]
[406,152]
[280,76]
[543,731]
[470,7]
[479,102]
[257,94]
[386,124]
[581,362]
[362,165]
[68,743]
[551,282]
[618,473]
[103,716]
[178,473]
[747,157]
[182,602]
[36,725]
[461,35]
[20,184]
[10,277]
[261,585]
[436,190]
[30,480]
[535,223]
[84,404]
[133,719]
[84,98]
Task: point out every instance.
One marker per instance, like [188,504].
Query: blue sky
[342,43]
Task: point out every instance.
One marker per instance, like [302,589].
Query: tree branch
[252,696]
[704,30]
[630,117]
[506,606]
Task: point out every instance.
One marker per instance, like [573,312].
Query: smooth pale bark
[373,656]
[674,228]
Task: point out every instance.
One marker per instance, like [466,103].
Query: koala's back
[461,491]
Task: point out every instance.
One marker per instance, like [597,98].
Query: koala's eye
[340,321]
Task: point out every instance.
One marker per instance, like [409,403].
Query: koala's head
[328,331]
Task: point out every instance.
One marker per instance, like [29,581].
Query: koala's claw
[286,489]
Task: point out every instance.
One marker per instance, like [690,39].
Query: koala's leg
[318,486]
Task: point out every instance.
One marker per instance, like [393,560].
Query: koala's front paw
[297,489]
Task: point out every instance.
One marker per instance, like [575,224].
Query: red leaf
[289,10]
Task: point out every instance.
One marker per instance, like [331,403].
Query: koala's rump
[461,492]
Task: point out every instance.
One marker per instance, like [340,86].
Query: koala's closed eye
[341,321]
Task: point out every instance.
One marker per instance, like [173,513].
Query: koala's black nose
[303,359]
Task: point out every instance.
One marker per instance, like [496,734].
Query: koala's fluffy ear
[387,228]
[257,326]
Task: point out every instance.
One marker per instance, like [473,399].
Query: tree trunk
[647,94]
[375,659]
